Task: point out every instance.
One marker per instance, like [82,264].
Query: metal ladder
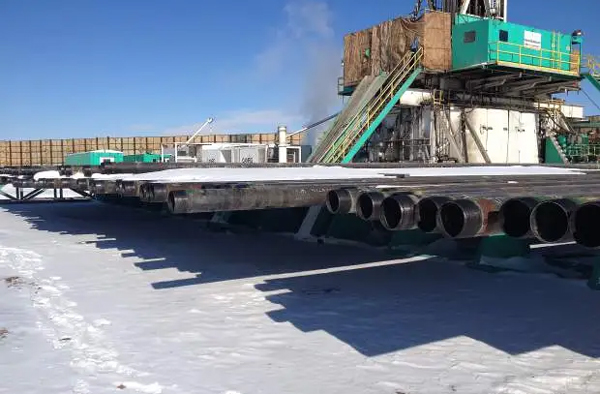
[444,127]
[364,123]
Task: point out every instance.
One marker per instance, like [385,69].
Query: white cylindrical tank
[282,135]
[282,143]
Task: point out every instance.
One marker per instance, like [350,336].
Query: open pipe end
[158,193]
[549,220]
[427,211]
[584,224]
[368,205]
[340,201]
[515,216]
[177,202]
[460,219]
[398,212]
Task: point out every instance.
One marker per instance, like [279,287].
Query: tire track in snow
[92,357]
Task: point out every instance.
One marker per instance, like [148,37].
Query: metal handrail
[400,67]
[382,101]
[592,65]
[332,148]
[555,57]
[408,64]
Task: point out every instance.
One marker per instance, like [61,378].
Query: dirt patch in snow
[13,281]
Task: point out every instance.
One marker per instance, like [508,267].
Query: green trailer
[94,158]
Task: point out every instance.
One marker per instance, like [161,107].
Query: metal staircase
[559,149]
[361,126]
[591,71]
[364,92]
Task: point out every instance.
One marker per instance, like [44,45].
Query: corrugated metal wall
[53,152]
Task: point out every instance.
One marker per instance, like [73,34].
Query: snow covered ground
[321,172]
[103,299]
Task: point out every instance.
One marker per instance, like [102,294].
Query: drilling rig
[457,81]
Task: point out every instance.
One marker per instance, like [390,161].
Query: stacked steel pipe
[549,210]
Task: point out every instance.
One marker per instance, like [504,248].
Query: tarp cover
[381,47]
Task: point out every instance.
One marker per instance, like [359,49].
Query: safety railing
[364,119]
[592,66]
[582,150]
[547,60]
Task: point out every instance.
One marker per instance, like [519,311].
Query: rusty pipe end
[550,220]
[461,218]
[515,215]
[398,212]
[177,202]
[584,225]
[368,205]
[427,212]
[341,201]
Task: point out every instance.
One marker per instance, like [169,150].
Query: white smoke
[320,98]
[323,62]
[307,38]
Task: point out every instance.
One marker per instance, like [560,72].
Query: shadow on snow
[375,308]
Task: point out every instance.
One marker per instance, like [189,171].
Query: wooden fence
[53,152]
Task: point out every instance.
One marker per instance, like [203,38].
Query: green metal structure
[481,42]
[374,106]
[93,158]
[144,158]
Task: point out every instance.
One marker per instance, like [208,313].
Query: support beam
[478,142]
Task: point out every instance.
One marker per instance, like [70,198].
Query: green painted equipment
[576,148]
[144,158]
[491,42]
[348,141]
[94,158]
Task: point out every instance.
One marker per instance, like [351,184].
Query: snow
[46,175]
[111,299]
[320,172]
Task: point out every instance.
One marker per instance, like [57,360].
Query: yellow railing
[547,60]
[592,65]
[397,77]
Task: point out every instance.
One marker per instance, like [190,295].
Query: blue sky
[77,68]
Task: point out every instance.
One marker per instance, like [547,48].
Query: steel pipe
[585,225]
[515,215]
[550,220]
[128,188]
[368,205]
[241,199]
[342,201]
[145,167]
[101,187]
[467,218]
[427,212]
[398,212]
